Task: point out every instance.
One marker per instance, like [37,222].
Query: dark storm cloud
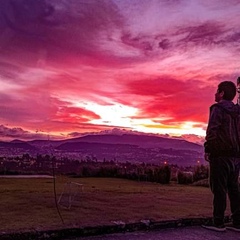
[204,34]
[18,133]
[63,30]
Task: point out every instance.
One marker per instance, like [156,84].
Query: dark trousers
[224,173]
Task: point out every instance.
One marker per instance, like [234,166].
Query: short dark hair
[229,89]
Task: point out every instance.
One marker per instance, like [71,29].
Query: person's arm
[214,124]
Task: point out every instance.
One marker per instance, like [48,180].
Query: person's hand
[206,157]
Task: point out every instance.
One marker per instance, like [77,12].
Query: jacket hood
[230,107]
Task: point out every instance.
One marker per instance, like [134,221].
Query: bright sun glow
[113,115]
[186,128]
[119,115]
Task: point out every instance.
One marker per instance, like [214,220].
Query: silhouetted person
[222,151]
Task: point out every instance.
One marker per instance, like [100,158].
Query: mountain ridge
[124,147]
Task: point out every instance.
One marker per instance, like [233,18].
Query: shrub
[202,183]
[200,172]
[107,171]
[184,177]
[88,171]
[150,174]
[163,174]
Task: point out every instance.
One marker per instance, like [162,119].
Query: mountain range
[118,147]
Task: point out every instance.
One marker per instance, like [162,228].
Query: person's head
[226,90]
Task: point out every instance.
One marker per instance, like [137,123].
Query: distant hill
[140,140]
[44,143]
[120,147]
[134,148]
[96,148]
[16,144]
[17,141]
[132,139]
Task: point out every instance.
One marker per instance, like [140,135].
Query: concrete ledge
[106,229]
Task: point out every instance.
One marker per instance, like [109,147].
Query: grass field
[27,204]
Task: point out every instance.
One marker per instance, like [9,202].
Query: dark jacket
[223,131]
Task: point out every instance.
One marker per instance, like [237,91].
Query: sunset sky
[73,66]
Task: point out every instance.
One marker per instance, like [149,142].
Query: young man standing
[222,151]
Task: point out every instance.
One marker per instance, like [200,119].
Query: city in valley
[93,154]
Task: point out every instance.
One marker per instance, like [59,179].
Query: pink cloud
[177,99]
[8,133]
[64,54]
[73,115]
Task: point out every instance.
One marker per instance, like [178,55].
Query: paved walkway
[183,233]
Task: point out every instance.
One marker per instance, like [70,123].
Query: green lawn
[27,204]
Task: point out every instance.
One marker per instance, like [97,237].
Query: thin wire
[55,193]
[54,181]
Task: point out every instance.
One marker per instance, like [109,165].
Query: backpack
[235,116]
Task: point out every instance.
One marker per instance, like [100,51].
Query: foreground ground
[187,233]
[29,204]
